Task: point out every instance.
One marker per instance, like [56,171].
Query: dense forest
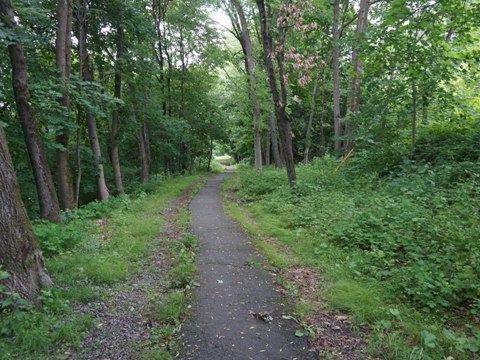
[354,127]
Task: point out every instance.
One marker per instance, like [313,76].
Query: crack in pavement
[222,325]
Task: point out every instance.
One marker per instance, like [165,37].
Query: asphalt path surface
[234,293]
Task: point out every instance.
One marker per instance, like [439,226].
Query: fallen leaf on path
[265,316]
[287,317]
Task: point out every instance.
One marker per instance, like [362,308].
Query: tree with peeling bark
[49,207]
[20,255]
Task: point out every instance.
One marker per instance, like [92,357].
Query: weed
[171,308]
[251,262]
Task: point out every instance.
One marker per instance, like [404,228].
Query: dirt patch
[336,337]
[122,313]
[307,282]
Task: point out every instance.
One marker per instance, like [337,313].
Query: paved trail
[222,325]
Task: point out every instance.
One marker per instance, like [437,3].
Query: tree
[242,32]
[86,74]
[63,45]
[357,66]
[20,254]
[49,208]
[279,97]
[272,130]
[336,76]
[114,157]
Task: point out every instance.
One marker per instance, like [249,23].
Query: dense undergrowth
[399,249]
[100,244]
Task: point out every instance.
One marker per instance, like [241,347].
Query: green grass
[168,310]
[84,254]
[171,308]
[363,236]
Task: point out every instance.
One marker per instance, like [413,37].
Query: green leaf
[429,340]
[300,333]
[4,275]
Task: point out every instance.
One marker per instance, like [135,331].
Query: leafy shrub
[415,229]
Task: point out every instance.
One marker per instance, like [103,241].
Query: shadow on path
[222,325]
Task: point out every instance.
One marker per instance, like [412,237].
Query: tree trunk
[143,141]
[49,208]
[63,45]
[117,93]
[414,119]
[143,154]
[146,139]
[20,254]
[308,130]
[322,121]
[424,109]
[268,147]
[252,82]
[159,11]
[86,74]
[272,126]
[336,78]
[279,99]
[355,87]
[79,162]
[210,155]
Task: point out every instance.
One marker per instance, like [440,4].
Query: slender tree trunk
[308,130]
[357,65]
[47,197]
[279,97]
[414,119]
[158,11]
[322,121]
[424,109]
[143,154]
[169,78]
[182,76]
[117,93]
[86,74]
[252,82]
[268,146]
[272,126]
[79,163]
[63,45]
[20,254]
[210,156]
[336,78]
[146,139]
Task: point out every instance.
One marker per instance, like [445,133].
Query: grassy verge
[319,227]
[169,310]
[101,244]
